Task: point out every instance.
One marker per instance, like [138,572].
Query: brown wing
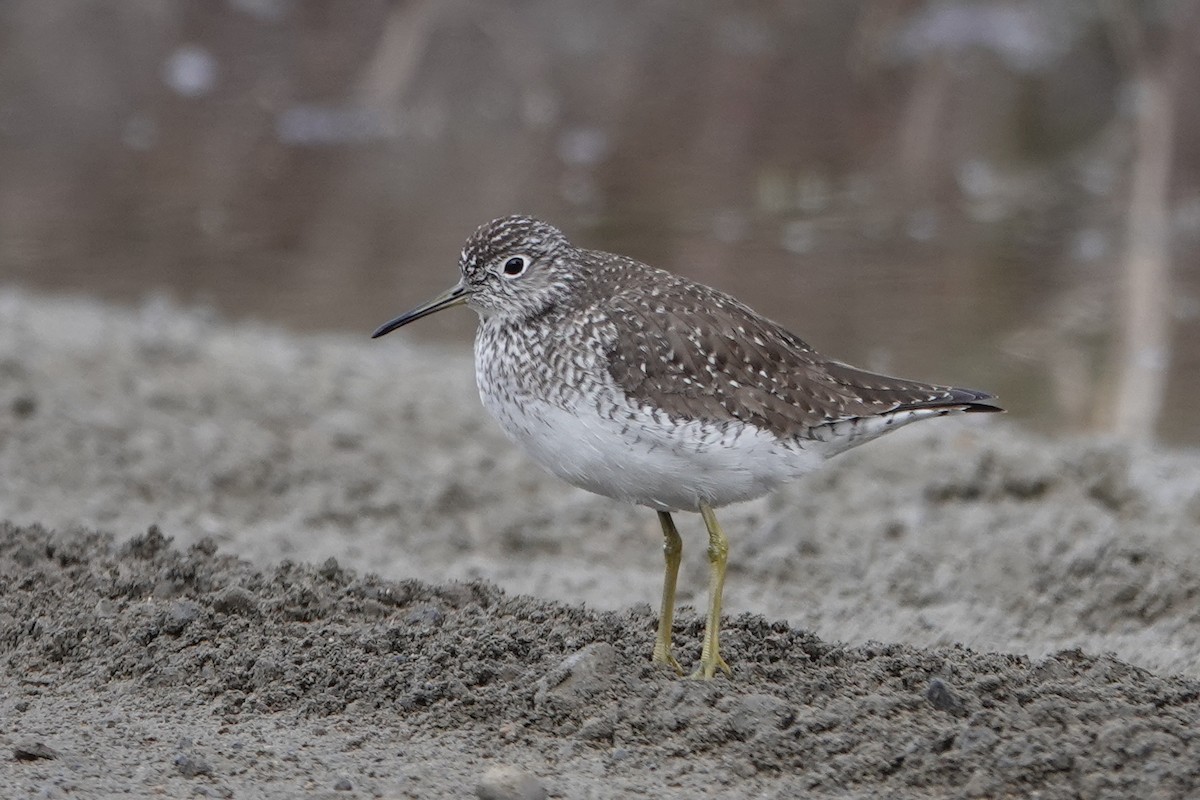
[700,354]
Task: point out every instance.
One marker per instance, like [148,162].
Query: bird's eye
[515,266]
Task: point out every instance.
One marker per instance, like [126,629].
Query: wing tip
[972,400]
[966,400]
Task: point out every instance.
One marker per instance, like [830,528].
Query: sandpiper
[639,385]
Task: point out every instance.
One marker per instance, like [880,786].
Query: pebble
[579,675]
[942,697]
[190,766]
[509,783]
[235,600]
[33,751]
[180,614]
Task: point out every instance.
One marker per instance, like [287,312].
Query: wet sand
[960,609]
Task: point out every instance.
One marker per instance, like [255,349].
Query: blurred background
[996,193]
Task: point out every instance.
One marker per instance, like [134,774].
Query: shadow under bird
[648,388]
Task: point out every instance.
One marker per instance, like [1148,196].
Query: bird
[640,385]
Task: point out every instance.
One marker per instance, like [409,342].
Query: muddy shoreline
[960,609]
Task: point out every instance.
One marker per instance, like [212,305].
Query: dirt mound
[145,668]
[378,454]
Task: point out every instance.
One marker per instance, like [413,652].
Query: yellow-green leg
[718,552]
[672,549]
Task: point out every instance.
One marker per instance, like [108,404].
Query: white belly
[667,466]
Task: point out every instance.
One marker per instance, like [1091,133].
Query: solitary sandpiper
[645,387]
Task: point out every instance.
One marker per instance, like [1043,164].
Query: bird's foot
[663,656]
[708,668]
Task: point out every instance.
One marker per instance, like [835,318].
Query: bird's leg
[718,552]
[672,548]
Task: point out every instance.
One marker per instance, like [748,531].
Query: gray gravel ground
[159,662]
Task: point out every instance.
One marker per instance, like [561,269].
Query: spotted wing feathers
[699,354]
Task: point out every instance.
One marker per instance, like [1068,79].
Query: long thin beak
[454,296]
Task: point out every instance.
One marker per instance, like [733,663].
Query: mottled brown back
[697,353]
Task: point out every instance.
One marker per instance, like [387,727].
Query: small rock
[190,765]
[943,698]
[425,614]
[179,616]
[33,751]
[235,600]
[343,785]
[330,570]
[509,783]
[580,674]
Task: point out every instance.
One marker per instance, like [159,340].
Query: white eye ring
[515,266]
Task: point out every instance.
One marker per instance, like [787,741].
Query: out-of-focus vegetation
[1001,192]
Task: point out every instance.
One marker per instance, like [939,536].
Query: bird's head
[514,266]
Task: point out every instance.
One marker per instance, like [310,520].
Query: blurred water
[934,189]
